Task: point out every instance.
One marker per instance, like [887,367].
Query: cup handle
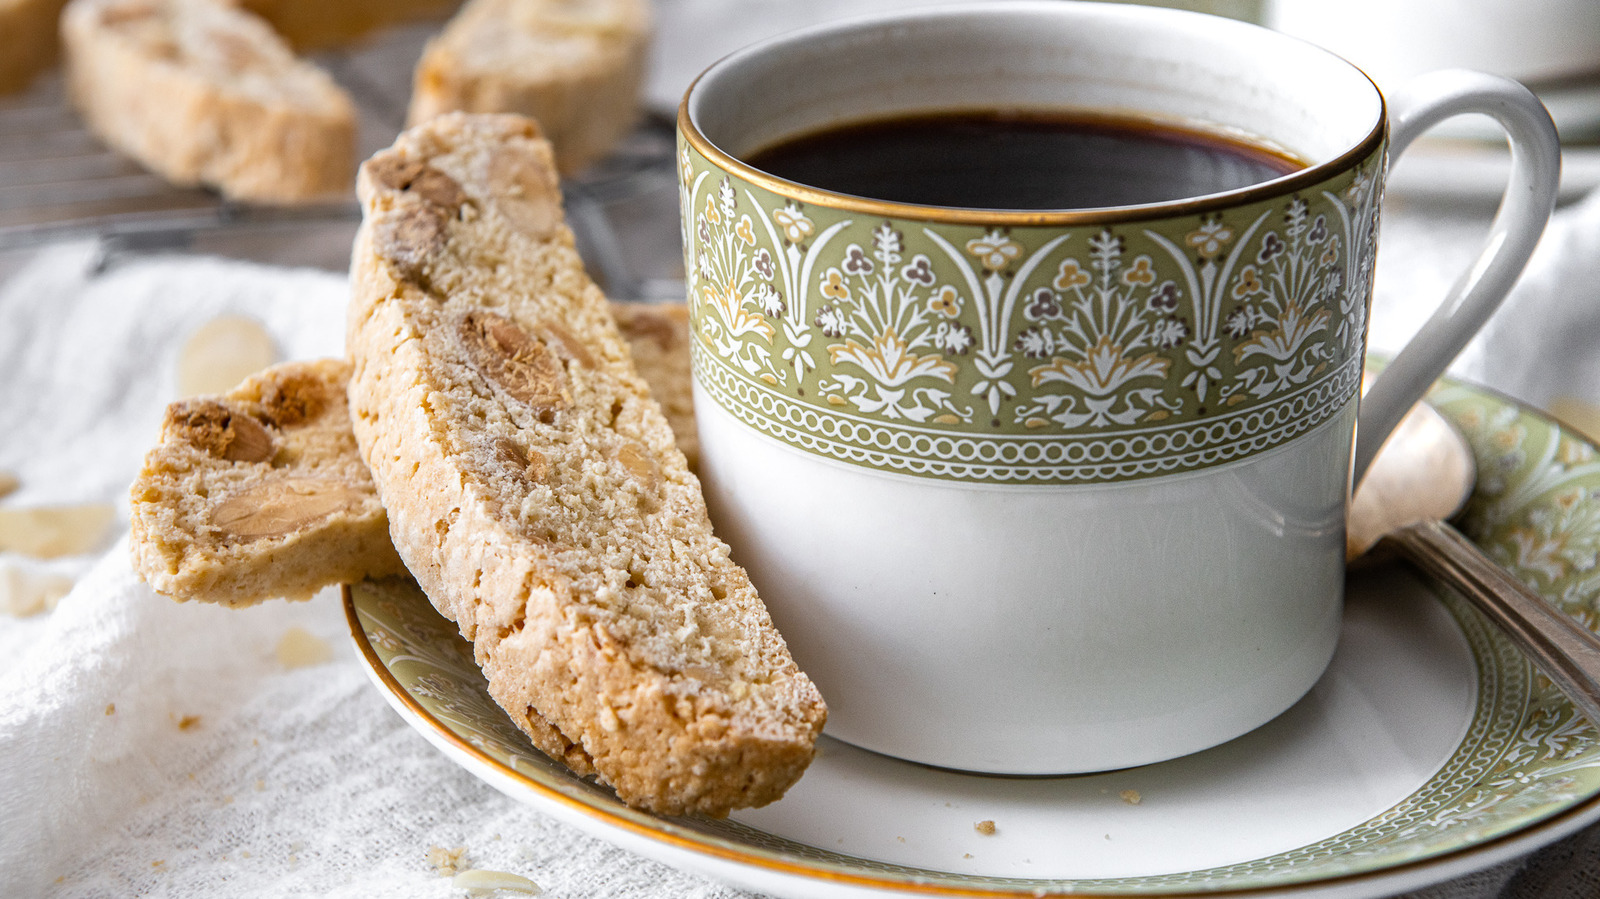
[1525,208]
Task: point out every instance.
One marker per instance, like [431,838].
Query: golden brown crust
[259,493]
[575,66]
[204,93]
[535,491]
[28,43]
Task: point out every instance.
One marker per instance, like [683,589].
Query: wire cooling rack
[59,182]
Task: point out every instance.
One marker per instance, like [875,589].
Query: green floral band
[1028,355]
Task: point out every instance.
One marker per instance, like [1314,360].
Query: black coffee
[1021,160]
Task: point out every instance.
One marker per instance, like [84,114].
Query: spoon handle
[1564,650]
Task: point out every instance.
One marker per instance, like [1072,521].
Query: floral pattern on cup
[1039,354]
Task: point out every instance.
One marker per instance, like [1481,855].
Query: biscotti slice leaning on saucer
[534,490]
[204,93]
[576,66]
[260,493]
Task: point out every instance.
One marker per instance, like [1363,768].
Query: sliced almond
[282,506]
[223,352]
[24,593]
[8,483]
[49,532]
[479,881]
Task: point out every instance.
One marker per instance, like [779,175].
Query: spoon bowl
[1420,478]
[1425,471]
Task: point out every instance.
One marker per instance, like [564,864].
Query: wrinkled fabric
[153,748]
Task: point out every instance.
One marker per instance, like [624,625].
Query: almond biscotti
[289,425]
[534,490]
[204,93]
[260,493]
[575,66]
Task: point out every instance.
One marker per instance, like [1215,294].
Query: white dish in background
[1428,750]
[1440,169]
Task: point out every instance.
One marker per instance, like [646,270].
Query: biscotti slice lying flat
[533,488]
[260,493]
[204,93]
[28,43]
[218,455]
[313,24]
[574,65]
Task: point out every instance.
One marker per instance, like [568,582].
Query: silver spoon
[1423,476]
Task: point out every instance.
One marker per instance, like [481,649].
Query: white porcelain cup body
[1045,628]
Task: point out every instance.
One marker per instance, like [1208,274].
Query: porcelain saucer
[1430,748]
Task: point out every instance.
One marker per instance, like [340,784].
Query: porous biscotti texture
[28,43]
[313,24]
[204,93]
[260,493]
[534,490]
[575,66]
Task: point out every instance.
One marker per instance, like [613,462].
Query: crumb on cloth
[446,862]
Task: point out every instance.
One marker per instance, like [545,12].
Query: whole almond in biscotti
[534,489]
[259,493]
[575,66]
[204,93]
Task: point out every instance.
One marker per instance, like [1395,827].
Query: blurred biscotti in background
[211,92]
[318,24]
[205,93]
[575,66]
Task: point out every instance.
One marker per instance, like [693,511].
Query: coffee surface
[1021,160]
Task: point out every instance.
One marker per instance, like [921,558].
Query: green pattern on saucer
[1528,754]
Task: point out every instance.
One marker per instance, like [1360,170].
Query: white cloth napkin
[158,749]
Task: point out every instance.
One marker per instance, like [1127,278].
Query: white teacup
[1059,491]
